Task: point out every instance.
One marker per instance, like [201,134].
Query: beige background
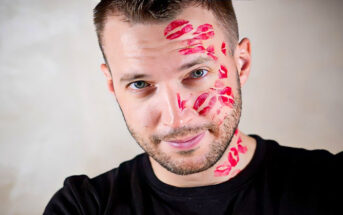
[58,119]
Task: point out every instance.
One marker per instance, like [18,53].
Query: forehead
[143,44]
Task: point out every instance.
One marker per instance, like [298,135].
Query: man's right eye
[137,85]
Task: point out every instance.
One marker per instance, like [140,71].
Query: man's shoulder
[122,173]
[79,192]
[297,164]
[292,154]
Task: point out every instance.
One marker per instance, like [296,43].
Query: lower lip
[187,144]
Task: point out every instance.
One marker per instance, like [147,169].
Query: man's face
[177,86]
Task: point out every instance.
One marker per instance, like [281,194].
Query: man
[176,69]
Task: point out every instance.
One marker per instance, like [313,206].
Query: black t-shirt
[278,180]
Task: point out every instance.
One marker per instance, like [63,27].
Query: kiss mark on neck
[232,159]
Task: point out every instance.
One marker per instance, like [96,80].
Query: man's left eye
[198,73]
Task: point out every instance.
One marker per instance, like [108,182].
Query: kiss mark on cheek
[224,48]
[226,101]
[200,100]
[222,72]
[181,103]
[208,108]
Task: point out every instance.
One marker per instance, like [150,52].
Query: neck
[236,157]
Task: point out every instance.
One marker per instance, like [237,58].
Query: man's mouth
[186,143]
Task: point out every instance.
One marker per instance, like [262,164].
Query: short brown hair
[145,11]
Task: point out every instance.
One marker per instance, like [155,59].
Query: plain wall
[58,119]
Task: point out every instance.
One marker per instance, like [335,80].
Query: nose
[175,111]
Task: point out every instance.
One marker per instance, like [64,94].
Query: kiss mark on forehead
[173,25]
[203,28]
[195,44]
[181,32]
[196,49]
[210,52]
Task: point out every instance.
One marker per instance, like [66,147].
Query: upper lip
[185,139]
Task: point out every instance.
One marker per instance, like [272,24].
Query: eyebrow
[194,62]
[133,76]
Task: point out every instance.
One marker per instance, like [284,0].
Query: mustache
[181,132]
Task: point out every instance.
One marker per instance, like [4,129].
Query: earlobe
[104,68]
[243,60]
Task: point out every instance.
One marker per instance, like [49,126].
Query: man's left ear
[104,68]
[243,60]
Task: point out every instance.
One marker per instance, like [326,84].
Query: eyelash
[188,78]
[135,88]
[203,75]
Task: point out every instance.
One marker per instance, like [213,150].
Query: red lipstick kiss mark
[181,32]
[224,48]
[222,170]
[173,25]
[200,100]
[181,103]
[241,149]
[205,36]
[222,72]
[210,52]
[203,28]
[233,162]
[197,49]
[226,101]
[226,91]
[208,108]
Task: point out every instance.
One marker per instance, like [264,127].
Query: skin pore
[178,86]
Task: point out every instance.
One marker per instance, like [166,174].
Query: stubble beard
[223,133]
